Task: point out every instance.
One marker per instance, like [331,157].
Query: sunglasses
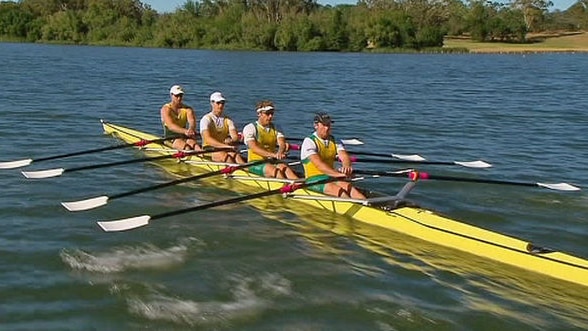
[178,95]
[269,112]
[219,102]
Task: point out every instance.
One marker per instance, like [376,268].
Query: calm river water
[239,268]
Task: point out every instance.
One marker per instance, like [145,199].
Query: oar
[26,162]
[415,175]
[407,158]
[413,157]
[350,141]
[59,171]
[103,199]
[138,221]
[467,164]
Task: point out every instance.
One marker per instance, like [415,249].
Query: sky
[166,6]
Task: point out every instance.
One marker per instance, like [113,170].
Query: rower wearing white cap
[175,116]
[318,153]
[219,131]
[265,140]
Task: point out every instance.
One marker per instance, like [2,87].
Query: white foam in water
[250,298]
[125,258]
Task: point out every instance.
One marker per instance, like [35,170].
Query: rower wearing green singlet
[318,154]
[218,130]
[265,140]
[175,116]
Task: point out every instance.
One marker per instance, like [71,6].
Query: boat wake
[145,256]
[250,298]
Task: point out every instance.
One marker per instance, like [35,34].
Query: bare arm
[191,120]
[234,135]
[282,148]
[169,122]
[206,136]
[323,167]
[346,167]
[254,146]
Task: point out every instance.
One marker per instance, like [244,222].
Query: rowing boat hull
[412,221]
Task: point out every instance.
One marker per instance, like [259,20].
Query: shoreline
[566,42]
[547,43]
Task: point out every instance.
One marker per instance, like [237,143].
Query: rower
[265,140]
[318,153]
[219,131]
[175,115]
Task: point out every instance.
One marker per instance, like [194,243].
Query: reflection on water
[485,284]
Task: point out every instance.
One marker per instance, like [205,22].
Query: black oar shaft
[369,154]
[189,179]
[285,189]
[178,155]
[476,180]
[103,149]
[162,185]
[217,203]
[415,175]
[401,161]
[113,164]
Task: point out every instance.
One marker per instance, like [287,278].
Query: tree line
[283,25]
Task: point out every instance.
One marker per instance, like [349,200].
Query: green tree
[477,21]
[258,34]
[14,21]
[534,12]
[64,26]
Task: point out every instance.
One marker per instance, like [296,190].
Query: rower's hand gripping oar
[139,221]
[59,171]
[103,200]
[415,175]
[26,162]
[467,164]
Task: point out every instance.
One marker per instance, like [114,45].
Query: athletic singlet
[267,139]
[219,133]
[327,152]
[181,120]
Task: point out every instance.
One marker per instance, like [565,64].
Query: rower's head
[323,124]
[265,112]
[217,102]
[176,93]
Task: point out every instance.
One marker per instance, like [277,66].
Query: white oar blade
[43,173]
[85,204]
[560,186]
[353,141]
[15,164]
[413,157]
[125,224]
[474,164]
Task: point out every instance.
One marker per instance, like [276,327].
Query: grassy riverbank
[540,43]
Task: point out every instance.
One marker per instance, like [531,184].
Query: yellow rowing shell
[416,222]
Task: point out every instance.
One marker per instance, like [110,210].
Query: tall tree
[534,11]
